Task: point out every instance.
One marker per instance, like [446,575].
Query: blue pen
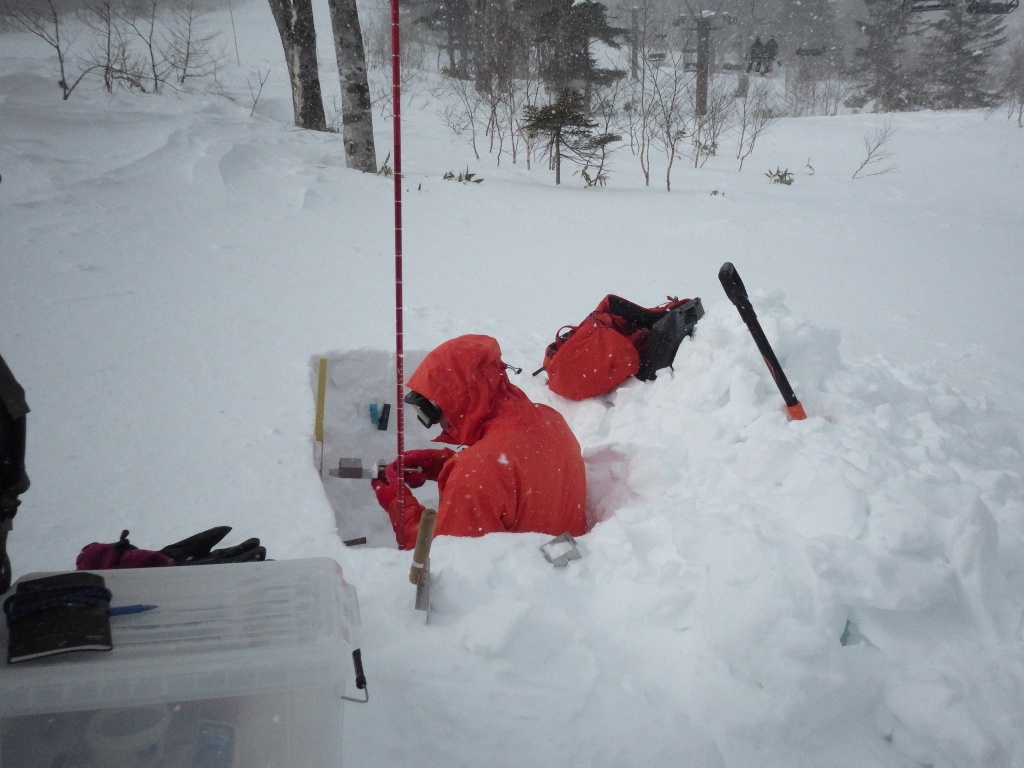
[124,610]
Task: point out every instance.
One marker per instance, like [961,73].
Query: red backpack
[617,340]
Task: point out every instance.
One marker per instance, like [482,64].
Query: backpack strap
[637,317]
[552,349]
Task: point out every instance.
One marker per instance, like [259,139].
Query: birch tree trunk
[294,20]
[356,115]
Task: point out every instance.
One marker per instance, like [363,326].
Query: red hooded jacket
[522,469]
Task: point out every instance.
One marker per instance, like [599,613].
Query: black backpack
[13,479]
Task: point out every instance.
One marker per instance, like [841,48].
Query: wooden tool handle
[424,536]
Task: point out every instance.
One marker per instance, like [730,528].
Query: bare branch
[145,28]
[43,21]
[256,95]
[875,146]
[756,114]
[187,47]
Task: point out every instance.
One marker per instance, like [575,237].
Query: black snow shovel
[737,294]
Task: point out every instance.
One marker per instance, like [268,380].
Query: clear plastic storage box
[239,666]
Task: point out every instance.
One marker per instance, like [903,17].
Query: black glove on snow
[198,549]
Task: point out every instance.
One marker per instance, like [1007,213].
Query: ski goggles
[426,411]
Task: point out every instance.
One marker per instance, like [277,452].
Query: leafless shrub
[716,120]
[188,47]
[377,36]
[504,97]
[463,109]
[43,19]
[755,114]
[257,92]
[1013,80]
[637,122]
[109,50]
[517,93]
[815,86]
[377,39]
[604,107]
[671,107]
[875,145]
[145,27]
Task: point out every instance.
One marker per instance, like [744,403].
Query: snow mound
[746,573]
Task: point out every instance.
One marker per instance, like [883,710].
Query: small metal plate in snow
[560,550]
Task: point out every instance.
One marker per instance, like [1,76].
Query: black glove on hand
[198,549]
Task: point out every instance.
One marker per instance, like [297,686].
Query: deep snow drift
[843,591]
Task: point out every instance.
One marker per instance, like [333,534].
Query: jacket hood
[466,378]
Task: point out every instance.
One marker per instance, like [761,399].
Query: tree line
[573,80]
[144,45]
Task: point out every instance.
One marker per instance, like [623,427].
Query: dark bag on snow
[13,479]
[617,340]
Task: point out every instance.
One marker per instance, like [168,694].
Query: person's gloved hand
[425,464]
[414,476]
[421,465]
[387,492]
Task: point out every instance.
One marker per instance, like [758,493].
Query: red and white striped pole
[396,122]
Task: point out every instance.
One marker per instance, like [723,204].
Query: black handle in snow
[734,288]
[737,293]
[357,662]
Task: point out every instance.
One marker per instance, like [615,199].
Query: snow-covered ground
[842,591]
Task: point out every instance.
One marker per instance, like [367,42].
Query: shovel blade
[422,605]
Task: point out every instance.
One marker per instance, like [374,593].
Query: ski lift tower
[634,45]
[703,23]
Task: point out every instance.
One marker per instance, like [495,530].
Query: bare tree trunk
[298,36]
[558,157]
[356,115]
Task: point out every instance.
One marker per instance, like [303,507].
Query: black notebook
[58,614]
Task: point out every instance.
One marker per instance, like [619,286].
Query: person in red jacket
[522,469]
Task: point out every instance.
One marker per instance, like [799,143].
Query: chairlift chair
[923,6]
[992,6]
[659,48]
[973,6]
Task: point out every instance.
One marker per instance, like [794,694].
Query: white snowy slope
[841,591]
